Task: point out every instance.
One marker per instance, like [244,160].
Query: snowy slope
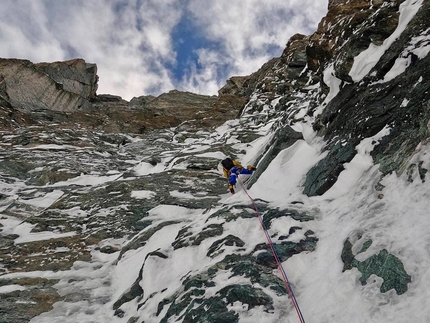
[176,246]
[351,208]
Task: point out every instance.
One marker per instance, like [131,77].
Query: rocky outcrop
[361,110]
[349,28]
[384,265]
[30,88]
[75,76]
[280,76]
[65,92]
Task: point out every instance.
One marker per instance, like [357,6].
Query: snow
[419,46]
[44,201]
[332,82]
[395,218]
[288,171]
[12,225]
[184,195]
[144,168]
[11,288]
[352,208]
[51,147]
[216,155]
[25,234]
[143,194]
[368,58]
[404,103]
[87,180]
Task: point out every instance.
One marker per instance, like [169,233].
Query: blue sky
[153,46]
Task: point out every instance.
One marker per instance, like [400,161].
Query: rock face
[29,87]
[134,222]
[65,92]
[75,76]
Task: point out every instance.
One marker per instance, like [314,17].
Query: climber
[232,169]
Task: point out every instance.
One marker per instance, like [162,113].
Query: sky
[146,47]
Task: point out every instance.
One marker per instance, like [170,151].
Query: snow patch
[143,194]
[367,59]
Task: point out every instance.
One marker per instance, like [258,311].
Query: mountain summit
[118,211]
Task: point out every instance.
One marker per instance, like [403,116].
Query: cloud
[251,32]
[136,44]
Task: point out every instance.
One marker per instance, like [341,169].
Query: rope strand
[275,255]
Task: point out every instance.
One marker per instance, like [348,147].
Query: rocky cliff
[117,211]
[65,93]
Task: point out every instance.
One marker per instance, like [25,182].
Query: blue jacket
[235,171]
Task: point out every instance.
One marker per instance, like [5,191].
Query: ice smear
[367,59]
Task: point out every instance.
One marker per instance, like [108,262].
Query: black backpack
[227,163]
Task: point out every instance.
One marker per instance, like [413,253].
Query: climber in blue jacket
[232,169]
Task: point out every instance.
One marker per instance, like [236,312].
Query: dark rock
[185,238]
[361,110]
[141,102]
[284,250]
[108,98]
[7,241]
[276,214]
[383,264]
[246,266]
[246,294]
[109,249]
[229,240]
[141,239]
[21,306]
[211,310]
[234,212]
[197,282]
[324,175]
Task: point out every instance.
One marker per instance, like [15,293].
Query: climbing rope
[275,255]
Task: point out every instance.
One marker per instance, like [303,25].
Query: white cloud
[249,31]
[131,41]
